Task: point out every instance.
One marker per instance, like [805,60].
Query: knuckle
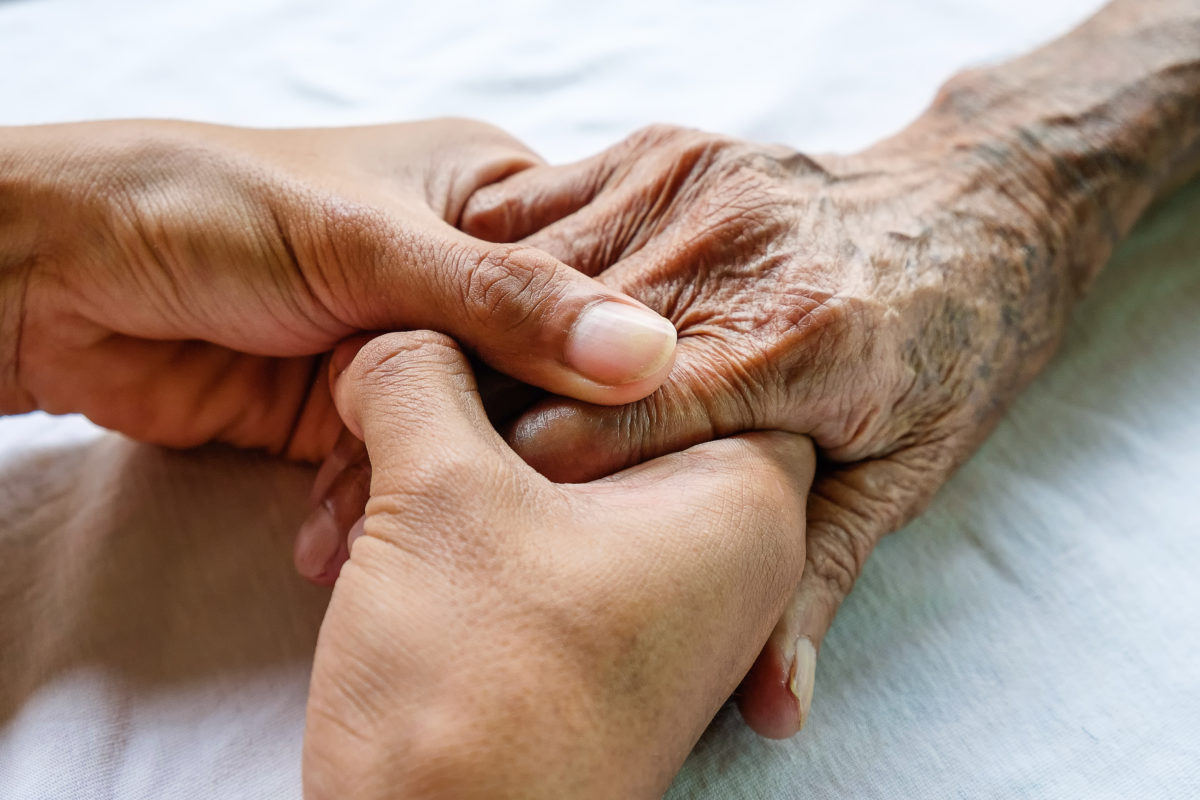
[655,134]
[387,359]
[507,286]
[689,150]
[492,212]
[840,538]
[848,514]
[824,318]
[725,387]
[702,154]
[915,475]
[661,133]
[836,557]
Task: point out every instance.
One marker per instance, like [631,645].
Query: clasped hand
[493,632]
[187,283]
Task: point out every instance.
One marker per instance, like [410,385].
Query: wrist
[1079,182]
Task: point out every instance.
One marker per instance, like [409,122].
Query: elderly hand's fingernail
[801,676]
[317,542]
[614,343]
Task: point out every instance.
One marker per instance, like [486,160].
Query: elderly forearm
[1087,131]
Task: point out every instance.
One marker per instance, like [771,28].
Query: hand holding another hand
[497,635]
[888,304]
[181,283]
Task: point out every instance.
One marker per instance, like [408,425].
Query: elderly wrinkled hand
[891,303]
[886,304]
[497,635]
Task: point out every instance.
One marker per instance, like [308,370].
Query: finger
[597,212]
[848,512]
[512,209]
[599,235]
[343,483]
[437,467]
[571,442]
[575,213]
[564,211]
[529,315]
[412,399]
[620,358]
[347,449]
[534,317]
[504,398]
[340,494]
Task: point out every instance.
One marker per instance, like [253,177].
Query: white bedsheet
[1034,635]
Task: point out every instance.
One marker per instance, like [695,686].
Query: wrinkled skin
[891,304]
[495,635]
[181,283]
[888,304]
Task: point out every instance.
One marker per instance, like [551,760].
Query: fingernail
[802,675]
[317,541]
[614,343]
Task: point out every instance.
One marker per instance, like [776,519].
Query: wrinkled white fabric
[1034,635]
